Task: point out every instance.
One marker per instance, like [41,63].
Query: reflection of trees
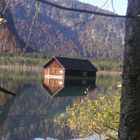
[104,82]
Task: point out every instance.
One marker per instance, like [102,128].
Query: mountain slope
[9,39]
[99,37]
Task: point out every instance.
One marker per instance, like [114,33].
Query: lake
[29,114]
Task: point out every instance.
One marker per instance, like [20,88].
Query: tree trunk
[129,128]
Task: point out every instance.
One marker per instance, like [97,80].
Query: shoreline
[40,69]
[21,68]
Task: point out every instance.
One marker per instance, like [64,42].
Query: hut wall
[80,73]
[54,68]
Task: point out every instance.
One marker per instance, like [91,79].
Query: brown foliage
[7,41]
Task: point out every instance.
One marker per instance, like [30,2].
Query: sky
[120,6]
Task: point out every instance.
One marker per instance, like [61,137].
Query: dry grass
[20,68]
[40,69]
[109,73]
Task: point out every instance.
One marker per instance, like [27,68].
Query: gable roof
[74,64]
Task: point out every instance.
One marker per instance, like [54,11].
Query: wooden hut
[60,72]
[60,67]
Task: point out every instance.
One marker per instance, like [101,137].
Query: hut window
[57,71]
[54,71]
[51,71]
[84,73]
[61,71]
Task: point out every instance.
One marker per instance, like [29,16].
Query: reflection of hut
[60,71]
[70,88]
[66,91]
[60,67]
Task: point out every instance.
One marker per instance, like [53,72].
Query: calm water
[29,114]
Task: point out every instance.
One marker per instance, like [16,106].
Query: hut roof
[73,64]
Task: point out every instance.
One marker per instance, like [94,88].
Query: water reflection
[68,87]
[5,103]
[29,114]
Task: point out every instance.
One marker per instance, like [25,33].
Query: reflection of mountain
[30,114]
[5,104]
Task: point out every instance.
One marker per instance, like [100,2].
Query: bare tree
[129,128]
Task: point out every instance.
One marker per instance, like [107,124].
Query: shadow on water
[29,114]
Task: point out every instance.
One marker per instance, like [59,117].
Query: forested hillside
[97,37]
